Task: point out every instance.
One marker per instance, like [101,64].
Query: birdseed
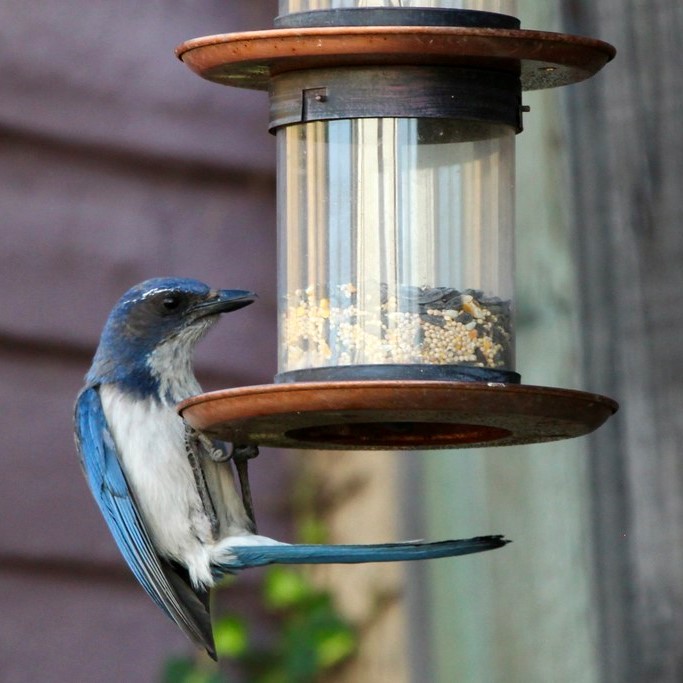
[431,325]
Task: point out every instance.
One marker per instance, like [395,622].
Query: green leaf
[274,676]
[230,634]
[314,639]
[176,670]
[285,588]
[335,646]
[312,530]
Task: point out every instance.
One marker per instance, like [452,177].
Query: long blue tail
[258,555]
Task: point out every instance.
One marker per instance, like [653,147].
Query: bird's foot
[219,455]
[215,454]
[206,445]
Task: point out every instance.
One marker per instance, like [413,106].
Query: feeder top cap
[248,60]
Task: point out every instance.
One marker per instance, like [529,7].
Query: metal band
[397,16]
[435,92]
[438,373]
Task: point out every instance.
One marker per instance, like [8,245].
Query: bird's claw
[243,452]
[219,455]
[208,446]
[215,454]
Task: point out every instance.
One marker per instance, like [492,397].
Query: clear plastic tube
[395,243]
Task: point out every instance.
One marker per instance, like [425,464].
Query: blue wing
[107,481]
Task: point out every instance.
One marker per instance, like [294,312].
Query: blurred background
[117,164]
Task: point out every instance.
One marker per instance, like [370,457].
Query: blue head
[153,329]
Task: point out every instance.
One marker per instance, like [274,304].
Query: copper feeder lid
[249,59]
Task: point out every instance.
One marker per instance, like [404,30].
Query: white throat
[171,362]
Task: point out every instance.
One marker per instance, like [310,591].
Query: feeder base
[395,415]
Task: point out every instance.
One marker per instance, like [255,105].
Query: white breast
[150,440]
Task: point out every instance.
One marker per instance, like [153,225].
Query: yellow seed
[324,309]
[473,309]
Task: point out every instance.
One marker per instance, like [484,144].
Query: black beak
[223,301]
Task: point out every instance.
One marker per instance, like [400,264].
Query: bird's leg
[241,455]
[192,441]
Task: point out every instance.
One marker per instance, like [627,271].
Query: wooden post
[524,613]
[627,147]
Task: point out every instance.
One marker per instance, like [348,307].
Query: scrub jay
[167,492]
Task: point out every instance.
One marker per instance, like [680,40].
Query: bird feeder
[396,129]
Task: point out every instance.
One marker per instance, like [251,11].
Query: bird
[167,492]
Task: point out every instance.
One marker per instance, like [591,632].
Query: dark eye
[171,302]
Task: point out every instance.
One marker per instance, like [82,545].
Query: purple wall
[117,164]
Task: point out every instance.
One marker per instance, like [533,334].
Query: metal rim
[381,415]
[486,99]
[249,59]
[396,16]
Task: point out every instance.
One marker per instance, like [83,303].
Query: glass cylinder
[504,6]
[395,244]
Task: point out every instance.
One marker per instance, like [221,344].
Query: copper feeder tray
[249,59]
[388,415]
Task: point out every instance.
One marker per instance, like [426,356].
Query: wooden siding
[116,164]
[628,165]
